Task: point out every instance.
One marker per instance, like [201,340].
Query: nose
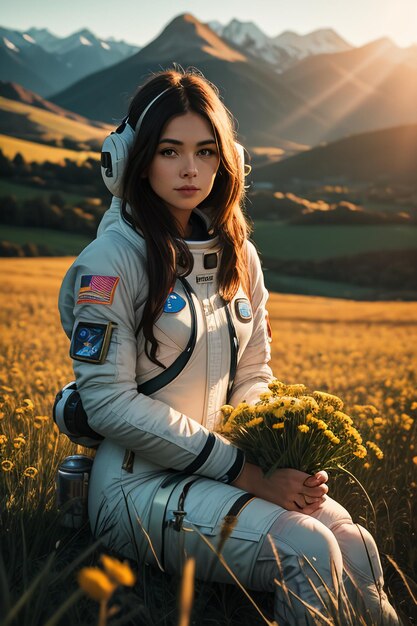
[189,169]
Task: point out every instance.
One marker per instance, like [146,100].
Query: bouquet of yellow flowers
[288,427]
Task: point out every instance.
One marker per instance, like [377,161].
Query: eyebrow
[181,143]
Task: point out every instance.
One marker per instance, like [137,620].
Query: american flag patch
[97,289]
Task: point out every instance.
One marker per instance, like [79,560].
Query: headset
[117,146]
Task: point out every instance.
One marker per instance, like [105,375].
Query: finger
[311,481]
[310,500]
[309,509]
[299,503]
[322,476]
[315,492]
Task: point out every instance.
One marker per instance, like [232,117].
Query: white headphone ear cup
[114,154]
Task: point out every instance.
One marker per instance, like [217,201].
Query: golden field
[364,352]
[32,151]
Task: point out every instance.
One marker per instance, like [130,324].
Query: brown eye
[206,152]
[167,152]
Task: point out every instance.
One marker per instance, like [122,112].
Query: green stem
[102,615]
[64,607]
[28,593]
[343,469]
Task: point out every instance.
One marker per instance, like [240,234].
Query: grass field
[281,240]
[40,153]
[27,192]
[59,242]
[54,126]
[362,351]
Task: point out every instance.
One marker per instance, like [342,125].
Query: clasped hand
[297,491]
[290,488]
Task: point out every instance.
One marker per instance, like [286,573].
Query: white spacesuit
[161,474]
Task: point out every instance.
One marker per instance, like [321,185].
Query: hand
[289,488]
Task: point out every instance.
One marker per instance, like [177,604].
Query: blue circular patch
[174,303]
[243,310]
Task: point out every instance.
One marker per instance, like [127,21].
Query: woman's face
[185,164]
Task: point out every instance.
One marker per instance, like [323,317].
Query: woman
[166,311]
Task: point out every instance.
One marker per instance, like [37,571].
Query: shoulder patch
[174,303]
[97,289]
[243,310]
[90,341]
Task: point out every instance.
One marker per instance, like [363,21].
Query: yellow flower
[327,398]
[276,386]
[254,422]
[378,421]
[7,465]
[413,406]
[30,472]
[296,389]
[10,390]
[288,402]
[335,440]
[18,442]
[360,452]
[3,440]
[226,409]
[28,403]
[367,465]
[329,434]
[279,413]
[303,428]
[278,425]
[265,396]
[321,424]
[238,410]
[309,403]
[343,417]
[414,459]
[95,583]
[40,420]
[352,432]
[119,572]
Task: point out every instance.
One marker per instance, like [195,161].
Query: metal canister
[72,489]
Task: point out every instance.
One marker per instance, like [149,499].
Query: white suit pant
[325,551]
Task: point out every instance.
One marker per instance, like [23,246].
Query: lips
[187,188]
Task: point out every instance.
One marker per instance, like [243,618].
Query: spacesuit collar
[120,215]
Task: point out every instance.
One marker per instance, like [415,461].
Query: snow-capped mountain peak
[322,41]
[28,38]
[84,41]
[284,49]
[10,45]
[242,32]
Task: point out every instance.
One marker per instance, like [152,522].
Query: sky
[140,21]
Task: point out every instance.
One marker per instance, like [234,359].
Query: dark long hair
[166,249]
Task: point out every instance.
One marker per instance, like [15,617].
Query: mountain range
[45,63]
[320,96]
[283,50]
